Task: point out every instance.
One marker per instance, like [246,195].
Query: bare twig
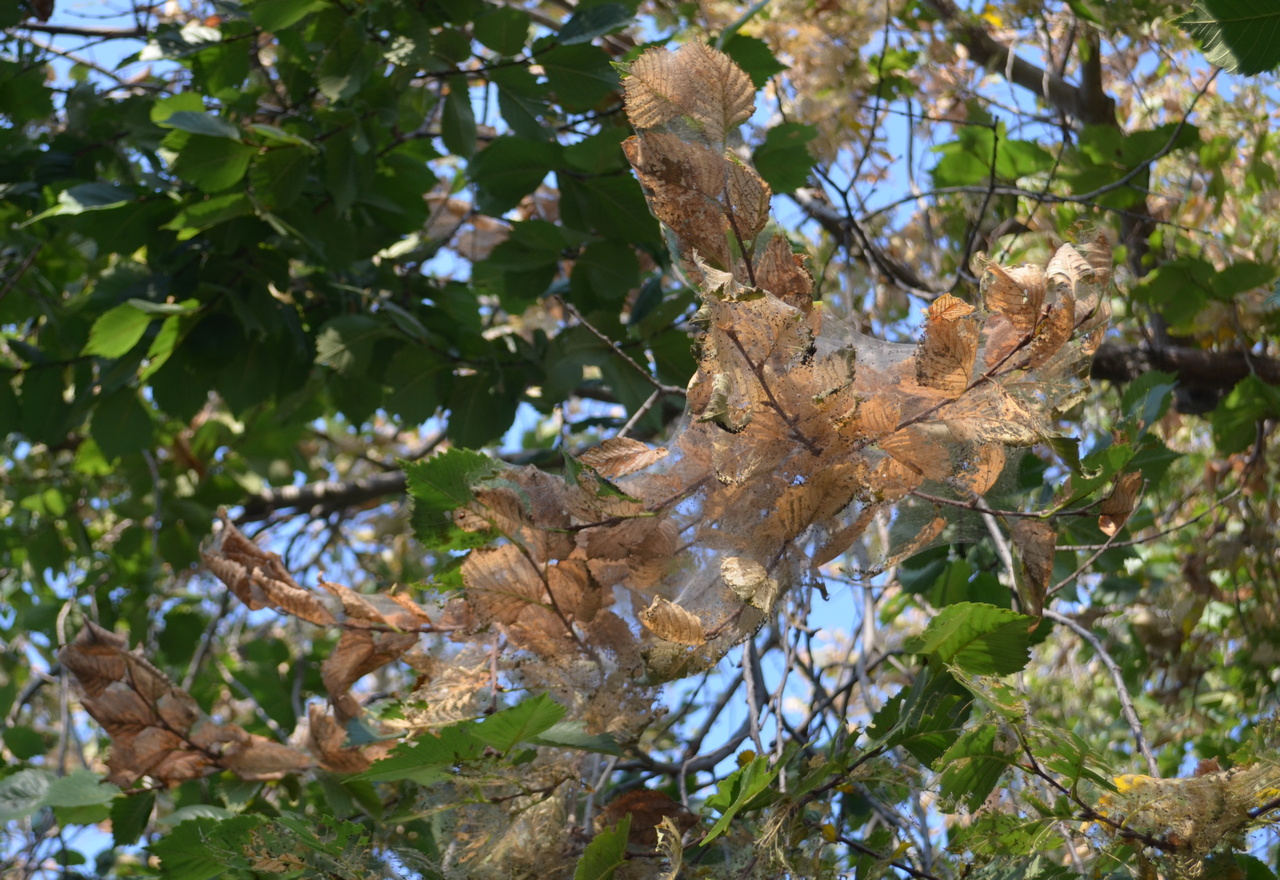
[1117,677]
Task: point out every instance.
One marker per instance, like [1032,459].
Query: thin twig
[1117,676]
[749,661]
[649,377]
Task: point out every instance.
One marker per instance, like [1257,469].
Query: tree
[926,609]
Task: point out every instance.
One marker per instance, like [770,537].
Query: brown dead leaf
[258,577]
[1095,247]
[620,456]
[918,449]
[696,81]
[1035,540]
[946,354]
[1118,506]
[1067,273]
[571,590]
[259,758]
[673,623]
[782,273]
[500,581]
[880,415]
[1053,332]
[327,741]
[647,810]
[359,652]
[989,414]
[701,194]
[749,581]
[979,471]
[156,728]
[1016,294]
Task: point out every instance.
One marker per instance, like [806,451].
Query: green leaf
[276,15]
[924,718]
[443,483]
[981,639]
[24,742]
[23,793]
[613,206]
[573,735]
[605,271]
[94,197]
[737,790]
[345,67]
[414,374]
[755,57]
[605,854]
[1011,838]
[79,788]
[203,214]
[580,76]
[162,109]
[121,425]
[979,152]
[505,729]
[278,176]
[784,160]
[1235,420]
[116,331]
[595,21]
[482,407]
[1147,397]
[201,123]
[200,849]
[504,30]
[427,758]
[1252,867]
[508,170]
[345,343]
[1242,36]
[213,164]
[1242,276]
[458,121]
[972,767]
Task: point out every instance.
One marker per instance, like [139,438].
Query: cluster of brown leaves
[156,728]
[648,564]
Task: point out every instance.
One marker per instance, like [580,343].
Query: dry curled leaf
[1035,541]
[949,347]
[673,623]
[782,273]
[1016,294]
[1117,507]
[749,581]
[258,577]
[156,727]
[620,456]
[697,82]
[500,582]
[649,811]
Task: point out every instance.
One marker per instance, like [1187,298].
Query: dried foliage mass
[643,564]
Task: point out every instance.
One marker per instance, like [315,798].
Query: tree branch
[102,33]
[1089,106]
[1207,375]
[326,494]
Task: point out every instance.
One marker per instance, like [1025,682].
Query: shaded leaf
[605,854]
[1242,36]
